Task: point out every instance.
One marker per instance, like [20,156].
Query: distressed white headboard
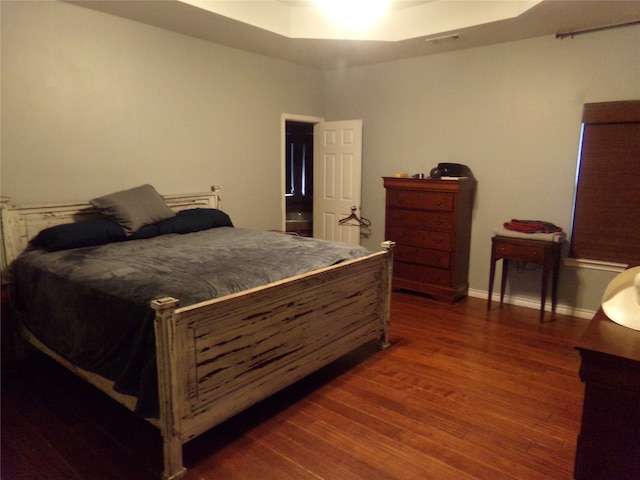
[21,223]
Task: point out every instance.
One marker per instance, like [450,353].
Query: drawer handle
[438,222]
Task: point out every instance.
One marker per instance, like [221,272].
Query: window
[606,217]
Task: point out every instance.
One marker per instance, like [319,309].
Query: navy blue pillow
[101,231]
[148,231]
[194,220]
[81,234]
[185,221]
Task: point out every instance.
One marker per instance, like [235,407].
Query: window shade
[606,219]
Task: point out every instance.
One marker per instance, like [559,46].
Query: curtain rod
[562,36]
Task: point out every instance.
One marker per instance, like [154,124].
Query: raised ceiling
[294,31]
[364,19]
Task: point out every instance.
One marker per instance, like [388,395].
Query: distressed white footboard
[219,357]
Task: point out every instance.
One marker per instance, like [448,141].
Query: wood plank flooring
[461,394]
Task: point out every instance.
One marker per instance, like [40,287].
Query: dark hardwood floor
[461,394]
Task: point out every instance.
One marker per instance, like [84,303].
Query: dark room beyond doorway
[299,177]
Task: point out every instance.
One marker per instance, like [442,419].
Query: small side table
[540,252]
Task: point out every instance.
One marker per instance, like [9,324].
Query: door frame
[284,118]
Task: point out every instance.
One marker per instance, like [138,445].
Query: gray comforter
[91,305]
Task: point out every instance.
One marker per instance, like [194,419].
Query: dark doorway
[299,177]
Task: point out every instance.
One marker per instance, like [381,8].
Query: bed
[215,351]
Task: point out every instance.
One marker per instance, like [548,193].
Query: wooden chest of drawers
[430,221]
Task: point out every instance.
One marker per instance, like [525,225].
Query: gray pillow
[134,208]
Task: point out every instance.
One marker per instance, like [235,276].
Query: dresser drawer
[421,273]
[438,201]
[416,219]
[423,256]
[524,253]
[421,238]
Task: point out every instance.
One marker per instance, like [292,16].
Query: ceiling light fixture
[354,14]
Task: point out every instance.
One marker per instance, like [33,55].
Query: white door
[337,178]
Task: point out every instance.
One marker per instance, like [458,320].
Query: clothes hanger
[354,220]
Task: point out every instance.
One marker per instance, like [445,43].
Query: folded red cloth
[531,226]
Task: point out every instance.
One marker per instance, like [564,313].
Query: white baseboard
[535,304]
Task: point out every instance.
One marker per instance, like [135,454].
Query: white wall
[511,112]
[93,103]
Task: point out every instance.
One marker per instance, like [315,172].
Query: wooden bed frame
[218,357]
